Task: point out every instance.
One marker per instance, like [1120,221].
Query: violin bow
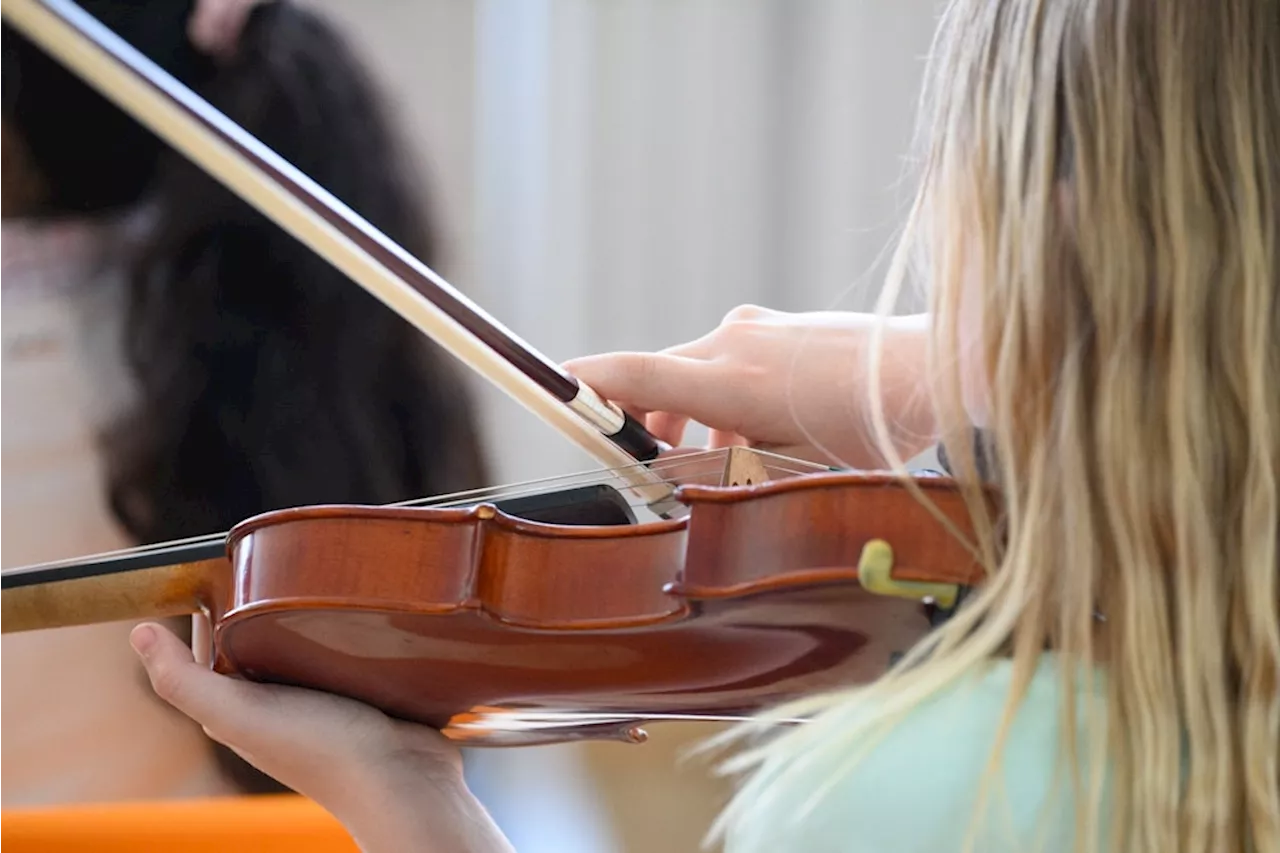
[304,209]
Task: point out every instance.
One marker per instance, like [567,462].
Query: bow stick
[336,233]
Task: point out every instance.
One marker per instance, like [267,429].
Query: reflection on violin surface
[521,686]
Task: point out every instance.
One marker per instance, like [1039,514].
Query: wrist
[431,812]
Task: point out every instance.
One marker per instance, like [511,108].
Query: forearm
[833,405]
[427,817]
[905,385]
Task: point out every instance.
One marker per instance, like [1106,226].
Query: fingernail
[143,639]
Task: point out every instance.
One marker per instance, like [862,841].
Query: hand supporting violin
[394,785]
[792,382]
[763,378]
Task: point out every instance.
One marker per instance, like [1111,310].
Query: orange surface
[265,824]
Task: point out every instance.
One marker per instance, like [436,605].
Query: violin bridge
[743,467]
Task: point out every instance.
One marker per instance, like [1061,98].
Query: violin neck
[133,593]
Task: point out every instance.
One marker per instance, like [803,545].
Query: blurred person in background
[175,363]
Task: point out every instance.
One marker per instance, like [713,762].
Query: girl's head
[264,378]
[1099,220]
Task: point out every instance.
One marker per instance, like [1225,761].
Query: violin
[667,586]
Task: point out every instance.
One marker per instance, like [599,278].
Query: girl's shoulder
[918,785]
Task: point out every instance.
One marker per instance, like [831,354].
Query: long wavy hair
[264,377]
[1099,220]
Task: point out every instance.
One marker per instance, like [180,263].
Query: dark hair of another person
[266,377]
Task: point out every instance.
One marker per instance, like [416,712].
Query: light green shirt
[916,791]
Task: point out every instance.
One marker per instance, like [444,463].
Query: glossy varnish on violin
[503,630]
[490,623]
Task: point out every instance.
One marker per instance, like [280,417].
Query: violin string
[675,469]
[137,551]
[460,498]
[532,486]
[681,464]
[685,474]
[444,501]
[140,551]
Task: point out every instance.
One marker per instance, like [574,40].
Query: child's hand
[793,382]
[384,779]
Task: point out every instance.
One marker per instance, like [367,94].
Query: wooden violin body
[491,626]
[499,629]
[502,629]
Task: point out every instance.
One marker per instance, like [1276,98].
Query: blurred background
[618,174]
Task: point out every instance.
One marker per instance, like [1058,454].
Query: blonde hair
[1102,178]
